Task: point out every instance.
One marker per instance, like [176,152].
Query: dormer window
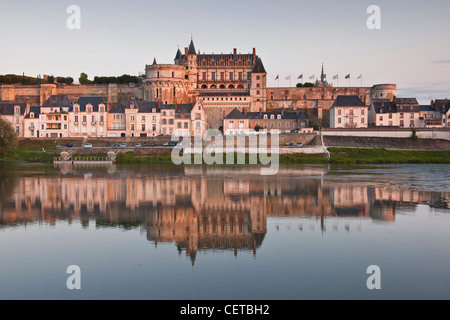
[102,108]
[17,110]
[265,116]
[279,117]
[77,109]
[272,117]
[32,115]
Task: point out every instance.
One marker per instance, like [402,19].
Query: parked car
[295,131]
[88,145]
[299,144]
[115,145]
[151,144]
[69,145]
[180,144]
[165,144]
[123,145]
[172,143]
[288,144]
[138,145]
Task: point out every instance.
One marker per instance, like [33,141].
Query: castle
[222,81]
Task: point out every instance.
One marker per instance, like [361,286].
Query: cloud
[441,61]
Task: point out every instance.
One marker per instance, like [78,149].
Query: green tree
[61,80]
[69,80]
[51,79]
[257,128]
[83,78]
[8,137]
[299,85]
[308,85]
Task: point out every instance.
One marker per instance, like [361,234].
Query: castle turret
[258,85]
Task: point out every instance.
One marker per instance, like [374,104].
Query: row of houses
[58,117]
[352,112]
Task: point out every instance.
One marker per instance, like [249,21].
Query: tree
[61,80]
[83,78]
[8,137]
[257,128]
[69,80]
[299,85]
[51,79]
[308,85]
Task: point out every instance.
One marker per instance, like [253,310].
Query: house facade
[88,118]
[15,114]
[349,112]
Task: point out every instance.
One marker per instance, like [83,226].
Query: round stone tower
[166,83]
[384,91]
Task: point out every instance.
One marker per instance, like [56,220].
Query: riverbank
[45,151]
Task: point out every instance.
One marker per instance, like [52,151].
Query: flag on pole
[312,77]
[288,77]
[347,76]
[301,76]
[278,77]
[360,77]
[336,77]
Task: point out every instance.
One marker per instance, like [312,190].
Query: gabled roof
[258,67]
[35,110]
[7,108]
[348,101]
[178,55]
[235,114]
[59,100]
[84,101]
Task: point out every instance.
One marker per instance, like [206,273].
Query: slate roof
[59,100]
[442,105]
[412,101]
[84,101]
[385,107]
[258,67]
[191,48]
[35,110]
[7,108]
[348,101]
[426,108]
[120,109]
[235,114]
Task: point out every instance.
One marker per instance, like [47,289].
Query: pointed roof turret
[191,47]
[178,55]
[322,75]
[258,67]
[154,61]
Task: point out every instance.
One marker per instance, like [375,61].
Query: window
[132,118]
[402,123]
[174,92]
[186,125]
[339,120]
[240,76]
[132,127]
[390,115]
[265,116]
[258,77]
[17,129]
[362,112]
[204,76]
[362,120]
[272,116]
[17,111]
[411,123]
[143,127]
[279,116]
[178,125]
[231,76]
[213,76]
[339,112]
[381,118]
[84,118]
[258,85]
[231,124]
[222,76]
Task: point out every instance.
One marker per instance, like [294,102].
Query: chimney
[245,111]
[254,55]
[260,111]
[159,104]
[235,52]
[186,51]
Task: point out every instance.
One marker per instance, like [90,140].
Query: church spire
[154,61]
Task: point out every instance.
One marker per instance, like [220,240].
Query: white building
[402,113]
[15,114]
[349,112]
[54,117]
[88,118]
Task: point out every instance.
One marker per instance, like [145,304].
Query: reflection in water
[200,208]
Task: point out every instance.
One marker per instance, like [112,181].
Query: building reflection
[198,208]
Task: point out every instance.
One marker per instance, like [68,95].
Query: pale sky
[292,37]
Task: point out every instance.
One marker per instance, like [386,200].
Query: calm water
[165,232]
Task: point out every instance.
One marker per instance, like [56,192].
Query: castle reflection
[197,208]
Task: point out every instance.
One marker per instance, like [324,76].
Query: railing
[84,159]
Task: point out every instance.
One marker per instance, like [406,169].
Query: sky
[292,37]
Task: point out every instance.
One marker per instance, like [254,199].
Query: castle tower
[258,86]
[191,66]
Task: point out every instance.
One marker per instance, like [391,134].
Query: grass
[380,156]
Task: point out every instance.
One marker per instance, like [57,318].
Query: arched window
[204,86]
[240,86]
[231,86]
[222,86]
[213,86]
